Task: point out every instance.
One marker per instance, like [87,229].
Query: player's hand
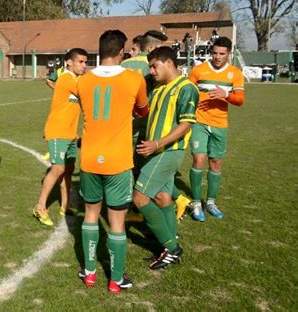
[147,148]
[217,93]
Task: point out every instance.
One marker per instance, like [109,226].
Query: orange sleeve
[236,97]
[193,75]
[238,81]
[141,99]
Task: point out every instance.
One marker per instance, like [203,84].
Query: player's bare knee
[163,199]
[57,170]
[215,165]
[199,161]
[140,199]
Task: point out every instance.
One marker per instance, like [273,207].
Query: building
[26,47]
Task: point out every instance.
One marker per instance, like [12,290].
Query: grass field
[246,262]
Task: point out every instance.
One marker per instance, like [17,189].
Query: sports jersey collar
[218,70]
[66,71]
[107,71]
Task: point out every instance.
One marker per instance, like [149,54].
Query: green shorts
[62,152]
[208,140]
[158,174]
[115,189]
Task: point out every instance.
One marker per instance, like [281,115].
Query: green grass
[245,262]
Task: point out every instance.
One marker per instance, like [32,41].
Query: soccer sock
[195,176]
[117,246]
[176,192]
[213,184]
[90,237]
[170,216]
[158,225]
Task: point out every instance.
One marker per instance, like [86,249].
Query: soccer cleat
[43,218]
[46,156]
[89,280]
[166,258]
[214,211]
[115,287]
[197,211]
[182,203]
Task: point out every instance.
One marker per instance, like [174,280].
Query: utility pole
[24,40]
[269,26]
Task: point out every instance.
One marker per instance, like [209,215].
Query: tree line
[265,16]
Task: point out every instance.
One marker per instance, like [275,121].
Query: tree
[87,8]
[266,17]
[144,6]
[35,9]
[12,10]
[178,6]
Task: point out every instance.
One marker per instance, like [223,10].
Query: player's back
[107,100]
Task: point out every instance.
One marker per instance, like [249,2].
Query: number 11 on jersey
[102,103]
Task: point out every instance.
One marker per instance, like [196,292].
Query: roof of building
[48,36]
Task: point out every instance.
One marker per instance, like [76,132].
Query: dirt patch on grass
[10,265]
[200,248]
[262,305]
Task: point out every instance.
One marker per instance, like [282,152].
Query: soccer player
[147,42]
[220,84]
[172,112]
[137,46]
[109,95]
[61,132]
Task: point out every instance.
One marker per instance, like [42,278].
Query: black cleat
[166,258]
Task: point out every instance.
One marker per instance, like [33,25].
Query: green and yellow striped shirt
[170,105]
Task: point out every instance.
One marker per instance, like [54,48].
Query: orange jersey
[108,95]
[230,78]
[62,121]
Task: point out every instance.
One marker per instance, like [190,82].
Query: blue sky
[128,7]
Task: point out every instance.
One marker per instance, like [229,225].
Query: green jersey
[170,105]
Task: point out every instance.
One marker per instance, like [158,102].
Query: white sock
[210,201]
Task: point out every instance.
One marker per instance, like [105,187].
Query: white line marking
[26,101]
[32,265]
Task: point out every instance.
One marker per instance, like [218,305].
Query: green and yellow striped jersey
[138,63]
[170,105]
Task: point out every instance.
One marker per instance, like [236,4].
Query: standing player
[61,132]
[172,111]
[220,84]
[109,94]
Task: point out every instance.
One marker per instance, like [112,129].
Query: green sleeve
[187,103]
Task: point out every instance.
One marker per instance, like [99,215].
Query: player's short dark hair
[156,35]
[111,42]
[71,54]
[140,41]
[223,42]
[163,54]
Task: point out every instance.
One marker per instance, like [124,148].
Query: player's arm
[234,97]
[50,83]
[186,107]
[141,108]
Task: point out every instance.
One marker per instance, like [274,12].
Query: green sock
[213,183]
[90,237]
[117,246]
[176,192]
[158,225]
[195,176]
[170,216]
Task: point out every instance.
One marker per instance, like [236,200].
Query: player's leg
[118,193]
[198,143]
[65,185]
[91,190]
[217,150]
[155,175]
